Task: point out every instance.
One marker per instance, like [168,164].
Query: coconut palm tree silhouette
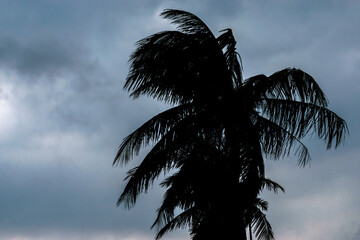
[218,130]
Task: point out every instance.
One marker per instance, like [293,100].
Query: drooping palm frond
[251,166]
[175,67]
[256,220]
[277,142]
[260,204]
[156,161]
[165,66]
[187,22]
[182,221]
[257,204]
[233,60]
[186,187]
[289,84]
[169,152]
[271,185]
[151,131]
[176,146]
[178,195]
[300,118]
[255,81]
[262,228]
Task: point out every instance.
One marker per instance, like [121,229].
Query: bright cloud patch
[7,111]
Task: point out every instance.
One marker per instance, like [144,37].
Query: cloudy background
[63,112]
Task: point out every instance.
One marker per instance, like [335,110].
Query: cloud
[63,112]
[7,115]
[319,201]
[35,58]
[357,235]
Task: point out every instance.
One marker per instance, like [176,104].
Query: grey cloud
[47,185]
[40,57]
[69,59]
[357,235]
[56,173]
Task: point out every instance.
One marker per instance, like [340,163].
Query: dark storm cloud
[40,57]
[60,74]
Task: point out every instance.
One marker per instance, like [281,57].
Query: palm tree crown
[218,130]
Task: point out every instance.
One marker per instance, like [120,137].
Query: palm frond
[180,144]
[253,86]
[142,176]
[271,185]
[260,204]
[251,164]
[180,221]
[187,187]
[254,217]
[172,149]
[290,84]
[277,142]
[299,118]
[163,67]
[151,131]
[262,228]
[172,200]
[257,204]
[179,194]
[187,22]
[227,41]
[175,67]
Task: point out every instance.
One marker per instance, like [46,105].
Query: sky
[63,113]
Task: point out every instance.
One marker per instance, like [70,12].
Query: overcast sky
[63,112]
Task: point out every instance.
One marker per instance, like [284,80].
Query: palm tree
[200,197]
[200,75]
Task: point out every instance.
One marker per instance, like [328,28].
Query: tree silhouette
[218,130]
[202,197]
